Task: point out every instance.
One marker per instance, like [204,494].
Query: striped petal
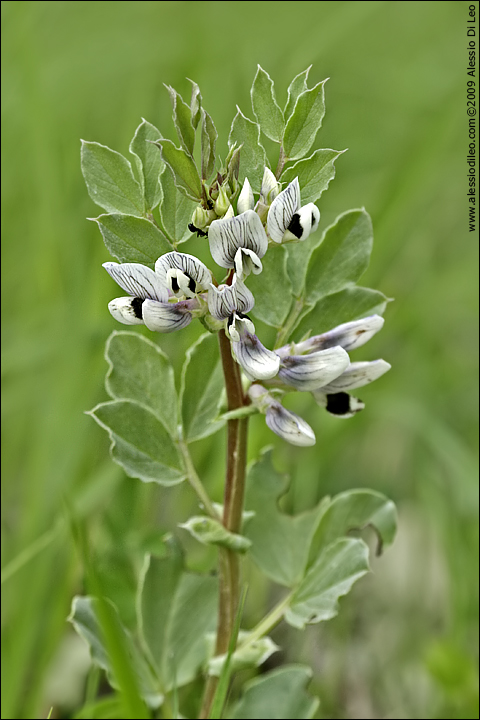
[172,265]
[350,336]
[282,210]
[289,426]
[308,372]
[228,234]
[225,299]
[138,280]
[258,362]
[303,222]
[356,375]
[245,262]
[166,317]
[127,310]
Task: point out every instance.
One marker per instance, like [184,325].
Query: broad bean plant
[267,265]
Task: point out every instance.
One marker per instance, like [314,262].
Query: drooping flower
[239,242]
[287,220]
[334,396]
[231,303]
[164,299]
[284,423]
[308,372]
[349,336]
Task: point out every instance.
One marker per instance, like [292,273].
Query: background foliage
[405,643]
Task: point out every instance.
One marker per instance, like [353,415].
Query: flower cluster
[181,287]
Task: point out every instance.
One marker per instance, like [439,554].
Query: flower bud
[222,203]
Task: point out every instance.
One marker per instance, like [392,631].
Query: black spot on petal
[137,307]
[338,403]
[192,286]
[295,226]
[175,285]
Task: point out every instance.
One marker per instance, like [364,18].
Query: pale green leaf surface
[176,610]
[208,142]
[314,173]
[84,617]
[211,532]
[132,239]
[182,119]
[176,210]
[265,107]
[183,168]
[280,543]
[149,162]
[140,442]
[331,576]
[246,133]
[296,88]
[247,655]
[279,694]
[354,510]
[349,304]
[195,104]
[304,122]
[201,389]
[271,288]
[140,371]
[110,180]
[342,257]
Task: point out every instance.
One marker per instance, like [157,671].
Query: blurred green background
[405,642]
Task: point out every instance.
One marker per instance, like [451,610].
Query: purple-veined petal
[282,209]
[225,236]
[289,426]
[189,265]
[225,299]
[237,325]
[308,372]
[350,336]
[127,310]
[138,280]
[340,404]
[257,361]
[245,200]
[166,317]
[356,375]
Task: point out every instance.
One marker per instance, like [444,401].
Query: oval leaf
[149,162]
[304,122]
[314,173]
[246,134]
[272,288]
[183,168]
[265,108]
[132,239]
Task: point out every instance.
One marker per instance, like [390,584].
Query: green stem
[195,481]
[229,564]
[289,323]
[268,622]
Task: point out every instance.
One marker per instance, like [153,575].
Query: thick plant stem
[229,566]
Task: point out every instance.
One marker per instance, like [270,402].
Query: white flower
[245,233]
[245,200]
[270,187]
[184,275]
[349,336]
[286,424]
[334,396]
[148,301]
[287,220]
[309,372]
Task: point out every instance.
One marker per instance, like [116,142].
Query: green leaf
[314,173]
[84,617]
[176,210]
[140,371]
[265,108]
[296,88]
[355,510]
[272,288]
[280,543]
[140,442]
[149,162]
[248,655]
[176,609]
[279,694]
[342,257]
[246,133]
[108,708]
[331,576]
[304,122]
[211,532]
[201,389]
[195,104]
[352,303]
[110,181]
[183,168]
[182,119]
[209,139]
[132,239]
